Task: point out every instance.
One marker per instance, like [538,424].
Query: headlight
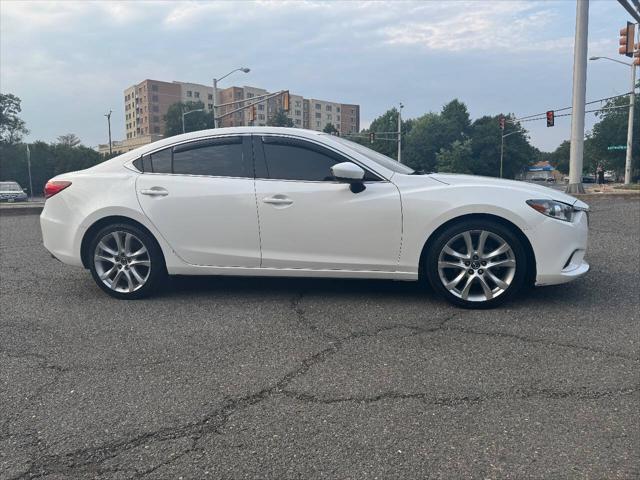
[553,209]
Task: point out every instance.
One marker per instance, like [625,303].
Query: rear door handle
[155,192]
[278,200]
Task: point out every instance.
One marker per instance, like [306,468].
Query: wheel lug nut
[470,271]
[467,264]
[480,271]
[475,257]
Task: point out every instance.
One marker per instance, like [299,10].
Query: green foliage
[457,159]
[280,119]
[193,122]
[329,128]
[47,161]
[12,127]
[433,132]
[70,140]
[560,157]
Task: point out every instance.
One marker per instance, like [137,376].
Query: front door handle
[280,200]
[155,192]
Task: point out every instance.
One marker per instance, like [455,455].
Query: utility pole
[215,116]
[29,170]
[400,133]
[108,115]
[579,97]
[632,103]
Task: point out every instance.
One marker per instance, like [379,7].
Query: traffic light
[502,122]
[627,39]
[285,101]
[551,118]
[372,137]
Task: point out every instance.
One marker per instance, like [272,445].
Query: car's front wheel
[126,262]
[476,263]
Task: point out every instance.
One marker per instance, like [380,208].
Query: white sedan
[288,202]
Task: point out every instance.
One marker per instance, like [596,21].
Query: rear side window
[219,159]
[293,162]
[158,162]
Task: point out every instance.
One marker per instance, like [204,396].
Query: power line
[566,108]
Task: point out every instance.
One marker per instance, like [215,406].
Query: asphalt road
[277,378]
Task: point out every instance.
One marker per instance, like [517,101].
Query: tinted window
[292,162]
[159,162]
[217,159]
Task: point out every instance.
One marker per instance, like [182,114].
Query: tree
[330,129]
[69,140]
[560,157]
[456,159]
[12,127]
[280,119]
[201,120]
[433,132]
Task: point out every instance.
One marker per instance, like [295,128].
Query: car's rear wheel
[126,262]
[476,264]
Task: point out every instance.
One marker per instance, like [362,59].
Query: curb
[595,196]
[21,209]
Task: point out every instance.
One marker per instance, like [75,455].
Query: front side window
[294,159]
[293,162]
[217,158]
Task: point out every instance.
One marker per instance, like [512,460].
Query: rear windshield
[10,187]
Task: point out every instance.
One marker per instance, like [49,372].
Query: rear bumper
[60,233]
[560,248]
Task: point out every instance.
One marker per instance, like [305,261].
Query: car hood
[537,191]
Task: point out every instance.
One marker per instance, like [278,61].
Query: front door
[309,220]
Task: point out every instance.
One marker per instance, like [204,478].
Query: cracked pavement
[280,378]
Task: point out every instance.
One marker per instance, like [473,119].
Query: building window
[155,108]
[154,88]
[210,96]
[338,109]
[196,94]
[298,103]
[318,115]
[154,98]
[261,116]
[329,116]
[318,106]
[317,124]
[261,106]
[298,121]
[250,95]
[189,93]
[298,113]
[328,108]
[210,105]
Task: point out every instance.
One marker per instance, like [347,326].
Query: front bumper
[559,248]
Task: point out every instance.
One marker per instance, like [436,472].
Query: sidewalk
[22,208]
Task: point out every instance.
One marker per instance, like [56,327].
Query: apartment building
[146,104]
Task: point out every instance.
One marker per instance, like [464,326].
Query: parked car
[551,180]
[280,202]
[11,191]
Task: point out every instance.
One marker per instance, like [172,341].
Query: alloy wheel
[477,265]
[122,261]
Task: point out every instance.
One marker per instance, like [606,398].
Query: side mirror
[349,173]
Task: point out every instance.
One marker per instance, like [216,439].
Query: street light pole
[400,133]
[502,137]
[29,170]
[632,103]
[576,151]
[108,115]
[215,91]
[184,114]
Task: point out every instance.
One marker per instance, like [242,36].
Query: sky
[69,62]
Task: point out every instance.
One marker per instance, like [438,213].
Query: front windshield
[379,158]
[10,187]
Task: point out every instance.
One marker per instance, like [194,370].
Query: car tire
[476,264]
[126,262]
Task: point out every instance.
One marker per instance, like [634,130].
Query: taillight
[55,186]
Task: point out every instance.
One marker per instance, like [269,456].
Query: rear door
[200,196]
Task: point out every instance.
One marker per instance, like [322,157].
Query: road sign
[617,147]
